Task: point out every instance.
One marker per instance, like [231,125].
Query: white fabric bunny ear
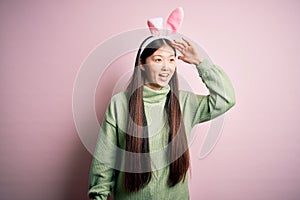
[173,23]
[155,25]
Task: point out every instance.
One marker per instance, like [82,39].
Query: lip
[165,75]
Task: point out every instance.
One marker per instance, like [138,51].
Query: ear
[141,65]
[155,25]
[175,20]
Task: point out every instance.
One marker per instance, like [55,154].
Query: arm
[102,168]
[221,97]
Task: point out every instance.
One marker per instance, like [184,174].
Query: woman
[142,152]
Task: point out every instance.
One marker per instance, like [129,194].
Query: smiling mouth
[165,75]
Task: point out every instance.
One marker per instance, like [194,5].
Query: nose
[165,66]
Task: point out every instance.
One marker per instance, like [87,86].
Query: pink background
[43,44]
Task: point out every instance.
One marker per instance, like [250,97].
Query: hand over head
[188,51]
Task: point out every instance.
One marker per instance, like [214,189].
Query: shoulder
[117,107]
[119,97]
[184,97]
[183,94]
[118,101]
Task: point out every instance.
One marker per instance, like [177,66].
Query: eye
[157,60]
[172,59]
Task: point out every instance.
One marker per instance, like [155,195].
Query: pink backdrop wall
[43,44]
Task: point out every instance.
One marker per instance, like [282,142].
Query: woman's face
[159,67]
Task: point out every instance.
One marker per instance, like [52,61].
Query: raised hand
[188,51]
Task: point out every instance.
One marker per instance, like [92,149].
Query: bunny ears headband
[155,25]
[173,23]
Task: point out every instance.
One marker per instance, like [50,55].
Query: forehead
[164,51]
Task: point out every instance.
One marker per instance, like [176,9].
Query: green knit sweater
[107,172]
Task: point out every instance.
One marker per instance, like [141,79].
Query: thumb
[181,58]
[184,59]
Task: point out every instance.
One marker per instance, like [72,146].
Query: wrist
[196,62]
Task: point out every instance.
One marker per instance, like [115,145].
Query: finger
[180,43]
[178,47]
[186,41]
[182,58]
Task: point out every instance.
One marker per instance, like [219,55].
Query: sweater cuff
[203,66]
[100,198]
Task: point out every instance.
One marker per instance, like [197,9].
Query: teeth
[164,74]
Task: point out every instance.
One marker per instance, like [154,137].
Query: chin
[156,86]
[163,84]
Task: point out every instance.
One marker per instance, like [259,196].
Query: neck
[155,95]
[153,86]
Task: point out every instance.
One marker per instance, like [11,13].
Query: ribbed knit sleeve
[102,168]
[200,108]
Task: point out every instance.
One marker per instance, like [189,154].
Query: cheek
[173,68]
[153,70]
[151,73]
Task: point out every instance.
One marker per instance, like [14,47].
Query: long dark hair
[137,162]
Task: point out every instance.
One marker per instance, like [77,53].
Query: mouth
[165,75]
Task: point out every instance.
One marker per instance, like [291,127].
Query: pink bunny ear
[155,24]
[175,20]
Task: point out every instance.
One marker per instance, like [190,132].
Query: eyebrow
[162,55]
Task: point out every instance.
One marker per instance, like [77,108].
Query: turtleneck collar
[155,96]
